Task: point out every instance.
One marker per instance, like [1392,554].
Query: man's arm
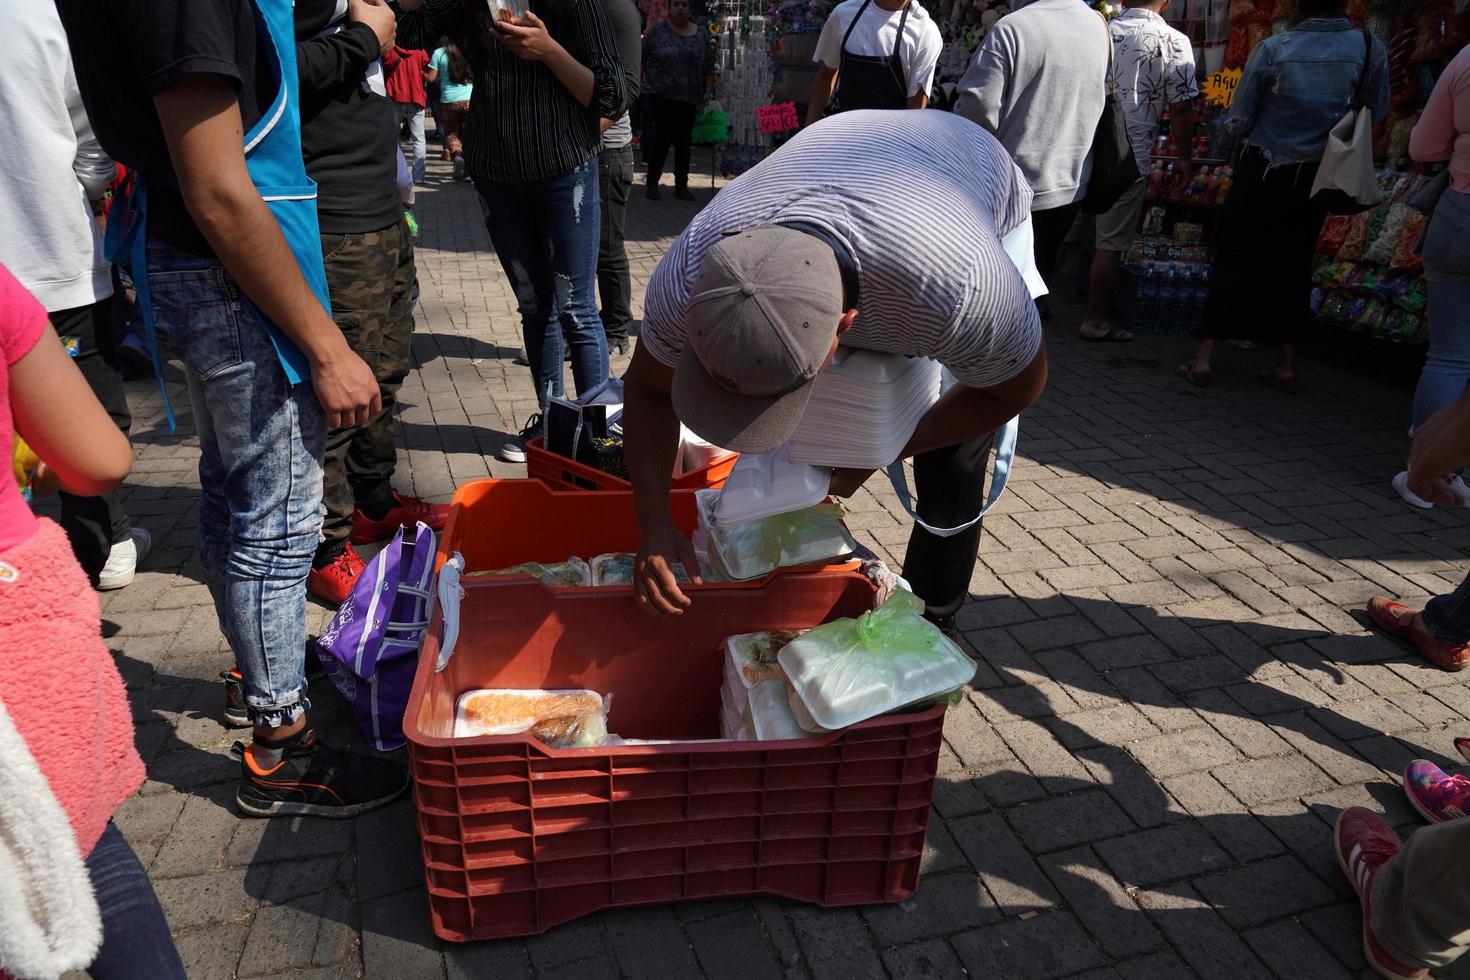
[982,91]
[650,443]
[327,62]
[919,100]
[201,124]
[93,167]
[820,95]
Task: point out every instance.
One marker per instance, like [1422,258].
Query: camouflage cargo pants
[370,277]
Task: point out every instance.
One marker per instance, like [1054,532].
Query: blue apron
[273,159]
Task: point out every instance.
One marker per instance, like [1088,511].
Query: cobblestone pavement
[1175,694]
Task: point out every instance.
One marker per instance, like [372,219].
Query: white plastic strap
[1005,453]
[450,594]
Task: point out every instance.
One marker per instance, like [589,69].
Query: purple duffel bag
[371,647]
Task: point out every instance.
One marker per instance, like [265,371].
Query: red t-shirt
[22,321]
[403,69]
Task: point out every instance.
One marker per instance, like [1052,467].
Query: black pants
[950,484]
[614,284]
[673,125]
[1049,229]
[95,524]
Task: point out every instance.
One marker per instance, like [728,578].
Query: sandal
[1275,380]
[1115,335]
[1200,379]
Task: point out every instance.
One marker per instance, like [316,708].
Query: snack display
[560,719]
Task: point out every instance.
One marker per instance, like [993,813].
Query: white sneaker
[122,561]
[1457,484]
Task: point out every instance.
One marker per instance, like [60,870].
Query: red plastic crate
[517,838]
[561,473]
[499,523]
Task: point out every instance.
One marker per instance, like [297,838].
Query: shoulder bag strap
[1000,474]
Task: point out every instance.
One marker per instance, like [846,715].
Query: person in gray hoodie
[1037,83]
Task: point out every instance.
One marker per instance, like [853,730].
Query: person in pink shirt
[1443,133]
[66,728]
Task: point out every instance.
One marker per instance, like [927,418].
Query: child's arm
[57,414]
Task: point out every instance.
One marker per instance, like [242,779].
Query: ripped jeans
[545,234]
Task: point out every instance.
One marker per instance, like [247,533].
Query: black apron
[871,81]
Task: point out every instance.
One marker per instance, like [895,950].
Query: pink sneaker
[1364,842]
[1436,794]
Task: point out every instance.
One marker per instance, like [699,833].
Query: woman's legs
[658,148]
[571,215]
[452,115]
[136,944]
[683,121]
[1447,267]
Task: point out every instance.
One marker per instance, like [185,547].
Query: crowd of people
[260,233]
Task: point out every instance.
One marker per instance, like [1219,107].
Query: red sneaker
[1364,842]
[406,512]
[1403,622]
[333,583]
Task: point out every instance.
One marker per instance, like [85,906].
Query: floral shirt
[1154,68]
[677,67]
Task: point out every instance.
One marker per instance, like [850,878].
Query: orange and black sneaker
[236,713]
[313,779]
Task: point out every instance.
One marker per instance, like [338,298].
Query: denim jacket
[1297,85]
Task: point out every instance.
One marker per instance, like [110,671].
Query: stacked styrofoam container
[863,409]
[755,698]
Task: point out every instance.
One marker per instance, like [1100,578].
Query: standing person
[615,181]
[1038,82]
[1443,133]
[754,297]
[56,252]
[404,75]
[449,68]
[193,98]
[1295,88]
[71,730]
[881,58]
[349,140]
[543,85]
[1153,73]
[678,61]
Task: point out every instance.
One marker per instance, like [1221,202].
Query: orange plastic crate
[568,474]
[517,838]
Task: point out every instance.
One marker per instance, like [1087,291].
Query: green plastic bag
[711,128]
[850,670]
[739,552]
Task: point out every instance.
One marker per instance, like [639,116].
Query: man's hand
[847,481]
[529,40]
[44,482]
[654,585]
[377,15]
[1440,449]
[346,389]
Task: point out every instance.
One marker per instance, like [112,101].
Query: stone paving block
[1267,890]
[282,937]
[1052,944]
[1144,691]
[1291,952]
[207,899]
[956,795]
[650,944]
[289,839]
[1304,830]
[198,839]
[1059,632]
[1167,853]
[1254,739]
[1119,654]
[1196,673]
[1063,821]
[1158,966]
[1006,784]
[730,947]
[1129,784]
[931,960]
[1338,929]
[1362,719]
[943,905]
[212,954]
[941,852]
[1175,753]
[1114,725]
[1043,756]
[396,940]
[971,737]
[380,870]
[1426,711]
[1223,816]
[1329,753]
[770,913]
[1010,874]
[1261,781]
[1199,935]
[1102,903]
[337,941]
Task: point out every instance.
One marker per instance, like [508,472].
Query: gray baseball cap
[761,320]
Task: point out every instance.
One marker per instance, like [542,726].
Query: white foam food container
[767,484]
[770,712]
[695,452]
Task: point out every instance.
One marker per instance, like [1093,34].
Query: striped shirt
[523,124]
[922,200]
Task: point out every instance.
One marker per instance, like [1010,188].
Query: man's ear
[845,324]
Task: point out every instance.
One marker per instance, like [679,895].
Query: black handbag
[1114,167]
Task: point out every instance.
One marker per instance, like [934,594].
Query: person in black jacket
[349,139]
[615,180]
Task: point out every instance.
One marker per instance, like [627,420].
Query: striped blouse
[922,200]
[523,124]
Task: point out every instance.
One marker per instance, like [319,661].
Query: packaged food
[770,712]
[735,720]
[570,573]
[850,670]
[1188,232]
[560,719]
[739,552]
[750,658]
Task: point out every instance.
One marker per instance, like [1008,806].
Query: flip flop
[1285,385]
[1115,335]
[1200,379]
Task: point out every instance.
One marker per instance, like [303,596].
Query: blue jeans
[261,441]
[1447,269]
[546,234]
[136,944]
[414,115]
[1448,616]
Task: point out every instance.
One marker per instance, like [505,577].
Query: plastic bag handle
[449,595]
[1005,453]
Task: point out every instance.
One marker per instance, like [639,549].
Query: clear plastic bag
[739,552]
[563,574]
[850,670]
[770,712]
[559,719]
[616,568]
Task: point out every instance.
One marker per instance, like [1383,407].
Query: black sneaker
[650,190]
[684,193]
[316,780]
[236,716]
[514,450]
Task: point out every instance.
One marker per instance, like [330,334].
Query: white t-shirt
[874,35]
